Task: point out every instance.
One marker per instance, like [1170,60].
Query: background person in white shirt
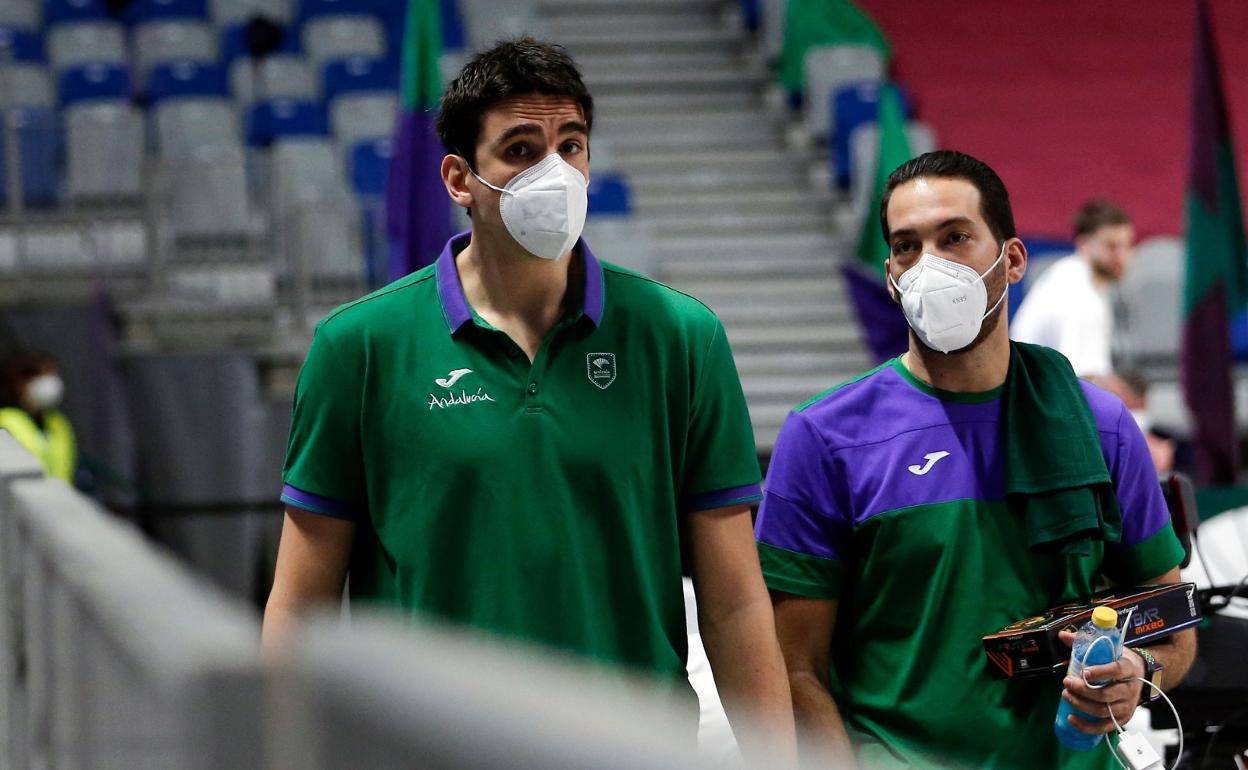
[1068,308]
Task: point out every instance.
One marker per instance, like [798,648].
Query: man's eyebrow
[522,129]
[908,231]
[574,127]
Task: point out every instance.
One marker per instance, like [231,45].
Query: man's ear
[1015,260]
[888,285]
[455,176]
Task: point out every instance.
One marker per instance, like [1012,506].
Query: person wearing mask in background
[1069,309]
[29,396]
[514,438]
[968,483]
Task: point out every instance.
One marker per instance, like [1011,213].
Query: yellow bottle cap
[1105,617]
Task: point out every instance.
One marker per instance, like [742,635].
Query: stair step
[661,104]
[673,223]
[838,366]
[638,22]
[739,292]
[737,269]
[765,315]
[694,161]
[722,79]
[688,39]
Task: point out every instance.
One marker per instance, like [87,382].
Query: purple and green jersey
[887,495]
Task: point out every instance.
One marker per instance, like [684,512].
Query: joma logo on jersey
[601,369]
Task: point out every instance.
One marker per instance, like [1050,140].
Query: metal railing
[113,656]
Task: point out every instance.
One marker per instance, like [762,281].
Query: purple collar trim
[455,305]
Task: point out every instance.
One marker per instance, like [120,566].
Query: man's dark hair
[19,368]
[1095,214]
[510,68]
[994,199]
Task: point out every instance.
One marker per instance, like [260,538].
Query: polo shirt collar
[455,305]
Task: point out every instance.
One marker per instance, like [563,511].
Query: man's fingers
[1091,728]
[1108,694]
[1123,709]
[1067,637]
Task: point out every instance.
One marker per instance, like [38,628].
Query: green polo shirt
[538,501]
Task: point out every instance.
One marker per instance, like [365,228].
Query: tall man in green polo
[512,439]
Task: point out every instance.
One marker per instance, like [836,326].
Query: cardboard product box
[1031,647]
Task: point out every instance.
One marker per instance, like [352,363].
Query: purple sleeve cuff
[325,506]
[720,498]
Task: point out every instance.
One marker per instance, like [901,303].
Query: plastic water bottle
[1104,625]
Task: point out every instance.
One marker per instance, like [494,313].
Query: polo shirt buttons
[532,388]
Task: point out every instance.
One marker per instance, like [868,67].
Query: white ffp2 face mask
[543,207]
[944,302]
[45,392]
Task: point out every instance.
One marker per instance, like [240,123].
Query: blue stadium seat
[280,118]
[387,10]
[20,45]
[57,11]
[186,78]
[453,37]
[359,73]
[234,42]
[94,81]
[140,11]
[39,135]
[609,194]
[370,163]
[853,105]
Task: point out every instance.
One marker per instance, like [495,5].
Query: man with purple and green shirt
[888,534]
[518,438]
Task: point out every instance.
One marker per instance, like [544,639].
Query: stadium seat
[316,214]
[182,124]
[282,118]
[161,41]
[94,81]
[363,116]
[104,152]
[234,43]
[225,13]
[26,85]
[140,11]
[1151,295]
[39,137]
[864,150]
[61,11]
[186,79]
[206,187]
[828,68]
[338,37]
[282,76]
[369,165]
[853,105]
[609,195]
[22,14]
[359,73]
[20,45]
[75,43]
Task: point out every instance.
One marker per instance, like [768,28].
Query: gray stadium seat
[206,190]
[282,76]
[86,42]
[363,116]
[864,150]
[227,12]
[104,151]
[182,124]
[157,41]
[826,69]
[336,37]
[1151,294]
[22,14]
[316,215]
[26,85]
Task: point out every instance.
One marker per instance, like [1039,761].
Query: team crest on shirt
[601,369]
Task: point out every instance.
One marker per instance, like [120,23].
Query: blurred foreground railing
[115,656]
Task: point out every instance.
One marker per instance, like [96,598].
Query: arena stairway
[724,204]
